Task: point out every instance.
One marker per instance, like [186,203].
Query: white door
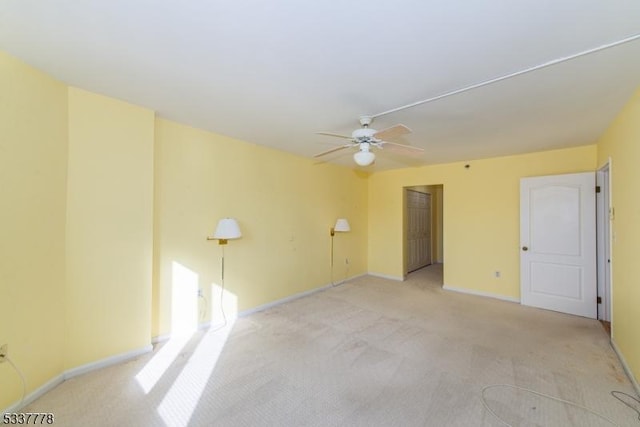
[418,230]
[558,243]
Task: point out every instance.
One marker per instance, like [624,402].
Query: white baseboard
[37,393]
[166,337]
[74,373]
[293,297]
[480,293]
[103,363]
[387,276]
[626,367]
[275,303]
[160,338]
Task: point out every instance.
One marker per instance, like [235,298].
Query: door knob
[524,248]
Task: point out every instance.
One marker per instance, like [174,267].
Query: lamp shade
[364,158]
[227,229]
[342,225]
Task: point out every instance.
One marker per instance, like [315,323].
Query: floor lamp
[226,230]
[342,226]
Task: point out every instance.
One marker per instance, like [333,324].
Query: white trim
[387,276]
[293,297]
[481,294]
[610,243]
[35,394]
[605,244]
[103,363]
[166,337]
[275,303]
[627,369]
[59,379]
[160,338]
[357,276]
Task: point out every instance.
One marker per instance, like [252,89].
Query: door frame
[437,226]
[604,215]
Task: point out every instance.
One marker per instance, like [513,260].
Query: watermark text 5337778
[27,418]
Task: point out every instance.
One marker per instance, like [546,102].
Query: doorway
[422,228]
[603,232]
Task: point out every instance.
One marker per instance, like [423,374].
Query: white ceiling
[275,72]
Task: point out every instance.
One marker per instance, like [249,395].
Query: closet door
[418,230]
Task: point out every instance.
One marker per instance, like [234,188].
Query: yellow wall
[622,144]
[480,215]
[285,206]
[109,228]
[33,164]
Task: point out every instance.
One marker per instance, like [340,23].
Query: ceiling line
[508,76]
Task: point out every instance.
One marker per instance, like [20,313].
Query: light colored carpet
[371,352]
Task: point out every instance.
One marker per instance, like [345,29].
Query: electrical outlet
[200,294]
[346,261]
[497,274]
[4,349]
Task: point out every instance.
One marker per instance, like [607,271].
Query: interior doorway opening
[422,226]
[604,215]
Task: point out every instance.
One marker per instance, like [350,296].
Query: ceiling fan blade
[392,132]
[337,135]
[402,148]
[333,150]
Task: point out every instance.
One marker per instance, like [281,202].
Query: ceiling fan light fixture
[366,137]
[364,158]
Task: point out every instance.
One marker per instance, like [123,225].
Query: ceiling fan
[366,137]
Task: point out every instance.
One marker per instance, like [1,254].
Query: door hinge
[599,300]
[597,188]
